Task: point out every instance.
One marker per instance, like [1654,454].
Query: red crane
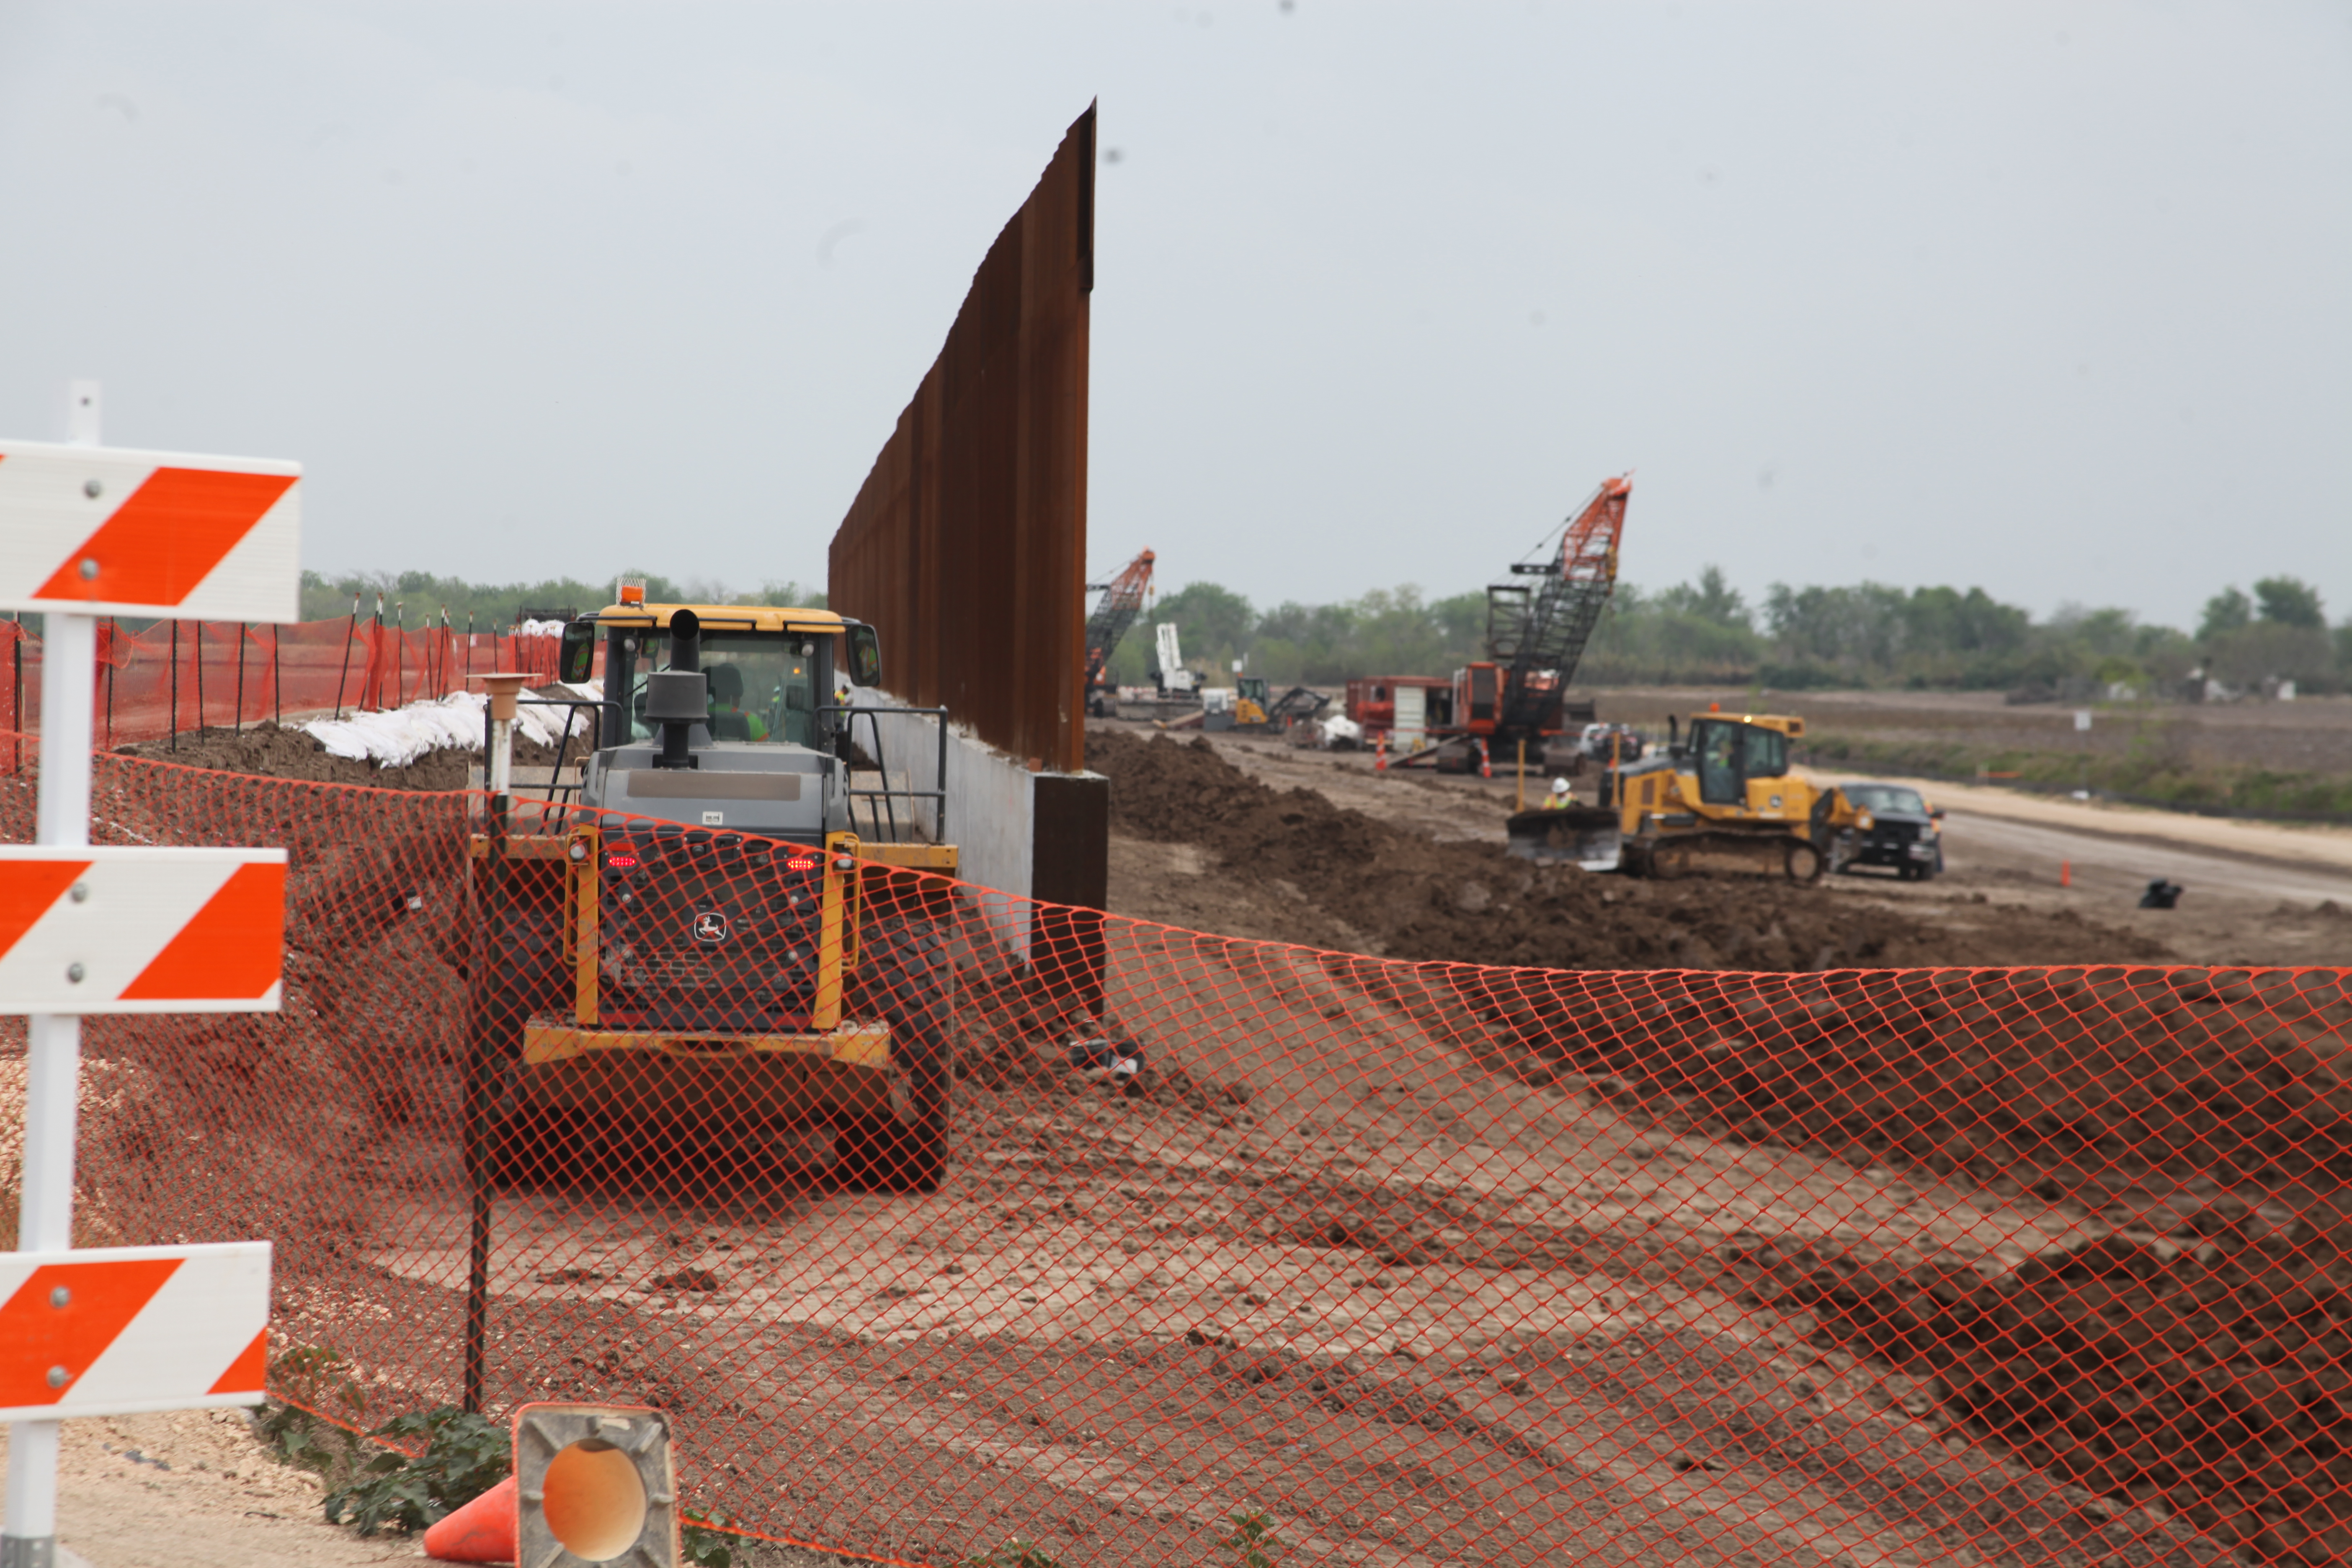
[1122,601]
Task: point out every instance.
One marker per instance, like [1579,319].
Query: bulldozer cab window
[1730,754]
[1717,746]
[1766,754]
[763,686]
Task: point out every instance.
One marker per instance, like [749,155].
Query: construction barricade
[179,677]
[1242,1247]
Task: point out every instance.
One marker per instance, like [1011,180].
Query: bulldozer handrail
[886,794]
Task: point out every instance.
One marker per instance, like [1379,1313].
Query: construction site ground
[1423,1312]
[2258,893]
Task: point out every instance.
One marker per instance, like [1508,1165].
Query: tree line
[417,599]
[1706,632]
[1702,631]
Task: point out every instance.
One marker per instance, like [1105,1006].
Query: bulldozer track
[1671,858]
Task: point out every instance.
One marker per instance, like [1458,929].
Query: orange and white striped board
[117,930]
[114,533]
[112,1330]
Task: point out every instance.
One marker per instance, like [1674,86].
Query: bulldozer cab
[769,674]
[1728,752]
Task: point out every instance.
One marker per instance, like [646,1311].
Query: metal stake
[486,1041]
[348,633]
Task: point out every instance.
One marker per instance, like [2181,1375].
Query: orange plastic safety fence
[1147,1242]
[178,677]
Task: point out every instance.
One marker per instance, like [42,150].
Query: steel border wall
[966,545]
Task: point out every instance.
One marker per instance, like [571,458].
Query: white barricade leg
[45,1222]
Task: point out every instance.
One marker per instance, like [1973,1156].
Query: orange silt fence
[179,677]
[1342,1259]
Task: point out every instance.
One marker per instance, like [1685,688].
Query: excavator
[1723,797]
[1257,712]
[1122,600]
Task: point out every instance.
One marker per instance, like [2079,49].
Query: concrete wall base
[1041,836]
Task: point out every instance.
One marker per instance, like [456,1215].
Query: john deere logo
[711,925]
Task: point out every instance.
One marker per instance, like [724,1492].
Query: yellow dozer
[1723,797]
[719,949]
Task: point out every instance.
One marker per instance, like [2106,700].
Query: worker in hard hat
[1558,799]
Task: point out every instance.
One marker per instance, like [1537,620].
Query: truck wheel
[907,978]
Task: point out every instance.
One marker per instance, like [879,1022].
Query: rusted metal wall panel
[966,545]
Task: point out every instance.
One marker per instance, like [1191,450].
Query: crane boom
[1121,602]
[1539,633]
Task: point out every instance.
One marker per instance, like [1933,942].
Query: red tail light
[800,862]
[620,862]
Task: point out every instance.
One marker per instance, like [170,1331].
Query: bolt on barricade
[1401,1263]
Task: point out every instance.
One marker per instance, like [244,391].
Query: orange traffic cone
[1380,756]
[2065,873]
[481,1531]
[1486,763]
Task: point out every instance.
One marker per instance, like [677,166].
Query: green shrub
[465,1456]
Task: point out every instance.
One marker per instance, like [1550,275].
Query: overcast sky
[2051,297]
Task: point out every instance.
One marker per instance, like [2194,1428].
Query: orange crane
[1122,601]
[1535,635]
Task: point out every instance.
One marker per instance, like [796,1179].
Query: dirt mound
[1334,876]
[2204,1372]
[273,751]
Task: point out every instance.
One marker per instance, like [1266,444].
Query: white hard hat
[1559,787]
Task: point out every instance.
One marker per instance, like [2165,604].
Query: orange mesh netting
[180,676]
[1418,1263]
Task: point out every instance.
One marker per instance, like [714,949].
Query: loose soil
[1244,858]
[1435,1265]
[194,1488]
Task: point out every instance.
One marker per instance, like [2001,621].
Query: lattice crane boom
[1538,632]
[1121,602]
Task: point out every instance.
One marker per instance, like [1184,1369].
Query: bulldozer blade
[1585,835]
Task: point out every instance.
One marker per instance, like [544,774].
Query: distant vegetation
[1706,633]
[1701,632]
[417,598]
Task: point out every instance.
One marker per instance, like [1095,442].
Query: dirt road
[196,1489]
[1123,1322]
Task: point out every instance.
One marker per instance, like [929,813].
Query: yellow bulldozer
[707,942]
[1722,797]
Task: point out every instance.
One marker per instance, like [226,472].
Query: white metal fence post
[52,1063]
